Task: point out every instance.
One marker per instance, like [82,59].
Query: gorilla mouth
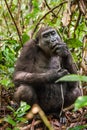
[52,46]
[57,44]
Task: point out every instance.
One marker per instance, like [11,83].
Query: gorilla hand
[60,49]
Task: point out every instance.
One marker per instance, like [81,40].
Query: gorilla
[42,61]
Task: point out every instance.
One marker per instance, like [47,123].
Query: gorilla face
[49,41]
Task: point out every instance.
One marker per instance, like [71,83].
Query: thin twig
[62,96]
[14,22]
[50,8]
[18,16]
[59,10]
[68,32]
[47,14]
[77,22]
[6,24]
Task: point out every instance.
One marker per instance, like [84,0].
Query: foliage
[17,116]
[7,59]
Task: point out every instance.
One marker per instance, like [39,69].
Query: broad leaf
[81,102]
[73,77]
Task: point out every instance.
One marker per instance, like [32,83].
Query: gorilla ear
[37,40]
[37,37]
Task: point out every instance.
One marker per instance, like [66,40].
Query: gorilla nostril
[52,40]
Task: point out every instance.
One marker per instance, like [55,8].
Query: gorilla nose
[52,40]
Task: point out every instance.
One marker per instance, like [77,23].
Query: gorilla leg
[25,93]
[71,96]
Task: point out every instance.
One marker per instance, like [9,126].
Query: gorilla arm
[37,78]
[70,65]
[67,62]
[66,57]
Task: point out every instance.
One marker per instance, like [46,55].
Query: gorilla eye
[53,32]
[45,35]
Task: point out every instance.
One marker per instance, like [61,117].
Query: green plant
[18,115]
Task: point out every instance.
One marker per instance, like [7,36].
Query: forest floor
[74,120]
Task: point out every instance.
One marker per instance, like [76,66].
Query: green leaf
[80,127]
[74,43]
[8,129]
[80,102]
[73,77]
[21,119]
[22,109]
[10,120]
[9,107]
[5,82]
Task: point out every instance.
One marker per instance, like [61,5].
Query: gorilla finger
[55,49]
[58,52]
[53,45]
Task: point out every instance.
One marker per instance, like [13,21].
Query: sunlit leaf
[22,109]
[80,102]
[5,82]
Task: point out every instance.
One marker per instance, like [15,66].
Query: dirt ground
[70,120]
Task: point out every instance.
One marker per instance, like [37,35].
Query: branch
[36,109]
[14,22]
[6,24]
[18,20]
[47,14]
[59,10]
[50,9]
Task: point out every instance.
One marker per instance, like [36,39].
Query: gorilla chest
[43,64]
